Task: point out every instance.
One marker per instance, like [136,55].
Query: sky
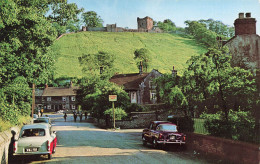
[125,12]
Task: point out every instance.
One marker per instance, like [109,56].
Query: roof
[35,126]
[56,91]
[129,81]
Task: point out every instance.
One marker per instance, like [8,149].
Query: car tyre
[144,141]
[49,156]
[155,143]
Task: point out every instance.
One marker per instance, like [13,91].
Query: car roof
[160,122]
[44,117]
[35,126]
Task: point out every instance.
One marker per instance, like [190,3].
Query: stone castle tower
[144,24]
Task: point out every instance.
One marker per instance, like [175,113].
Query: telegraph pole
[33,98]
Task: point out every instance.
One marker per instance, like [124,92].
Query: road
[82,142]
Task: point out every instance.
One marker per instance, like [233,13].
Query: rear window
[167,127]
[33,132]
[41,121]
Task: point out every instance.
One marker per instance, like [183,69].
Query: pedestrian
[80,116]
[41,112]
[86,115]
[65,116]
[75,117]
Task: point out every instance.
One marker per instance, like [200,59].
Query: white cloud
[259,1]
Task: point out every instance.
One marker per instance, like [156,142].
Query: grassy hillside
[166,50]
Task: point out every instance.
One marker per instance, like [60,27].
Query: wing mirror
[54,132]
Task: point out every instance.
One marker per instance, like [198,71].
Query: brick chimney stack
[244,24]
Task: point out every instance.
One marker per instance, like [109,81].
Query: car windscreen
[41,121]
[33,132]
[166,127]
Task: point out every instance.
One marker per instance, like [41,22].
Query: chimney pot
[46,85]
[248,15]
[241,15]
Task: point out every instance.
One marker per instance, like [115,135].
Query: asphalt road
[82,142]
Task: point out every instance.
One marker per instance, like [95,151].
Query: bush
[119,113]
[185,124]
[133,107]
[239,126]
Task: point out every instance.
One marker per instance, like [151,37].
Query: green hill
[166,50]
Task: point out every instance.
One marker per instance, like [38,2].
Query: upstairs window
[73,98]
[48,98]
[63,98]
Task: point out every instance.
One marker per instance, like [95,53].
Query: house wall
[145,23]
[57,103]
[147,89]
[245,49]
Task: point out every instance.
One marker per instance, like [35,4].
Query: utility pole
[33,98]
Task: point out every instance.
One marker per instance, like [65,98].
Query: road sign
[112,97]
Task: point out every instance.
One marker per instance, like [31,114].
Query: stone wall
[138,120]
[6,139]
[225,149]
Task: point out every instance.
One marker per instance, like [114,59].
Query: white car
[35,139]
[42,120]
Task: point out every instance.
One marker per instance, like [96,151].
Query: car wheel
[155,143]
[144,141]
[49,156]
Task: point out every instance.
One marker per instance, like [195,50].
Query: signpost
[113,98]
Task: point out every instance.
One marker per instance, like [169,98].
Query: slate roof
[56,91]
[129,81]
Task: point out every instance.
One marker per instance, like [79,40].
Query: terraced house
[58,98]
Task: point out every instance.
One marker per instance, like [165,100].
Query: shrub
[133,107]
[185,124]
[119,113]
[239,126]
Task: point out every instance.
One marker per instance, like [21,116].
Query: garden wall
[138,120]
[225,149]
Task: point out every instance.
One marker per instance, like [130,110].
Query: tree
[64,16]
[167,25]
[142,55]
[91,19]
[26,37]
[100,64]
[93,96]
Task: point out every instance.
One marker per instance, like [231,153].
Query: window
[133,97]
[48,98]
[73,98]
[153,95]
[63,98]
[73,107]
[152,85]
[48,106]
[63,106]
[33,132]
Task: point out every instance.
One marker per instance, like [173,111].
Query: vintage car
[160,133]
[42,120]
[35,116]
[35,139]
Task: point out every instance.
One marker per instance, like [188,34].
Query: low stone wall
[225,149]
[6,139]
[139,120]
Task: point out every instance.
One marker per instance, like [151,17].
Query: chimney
[245,25]
[46,86]
[71,84]
[141,68]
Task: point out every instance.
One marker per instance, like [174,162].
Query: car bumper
[32,153]
[171,142]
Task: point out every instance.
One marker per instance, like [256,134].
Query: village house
[56,98]
[139,86]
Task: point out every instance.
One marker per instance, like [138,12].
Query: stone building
[245,45]
[139,86]
[57,98]
[144,24]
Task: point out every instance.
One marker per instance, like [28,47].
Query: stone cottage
[139,86]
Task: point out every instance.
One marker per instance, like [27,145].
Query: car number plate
[172,137]
[31,149]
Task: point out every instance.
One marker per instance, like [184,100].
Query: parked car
[161,133]
[35,139]
[43,120]
[35,116]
